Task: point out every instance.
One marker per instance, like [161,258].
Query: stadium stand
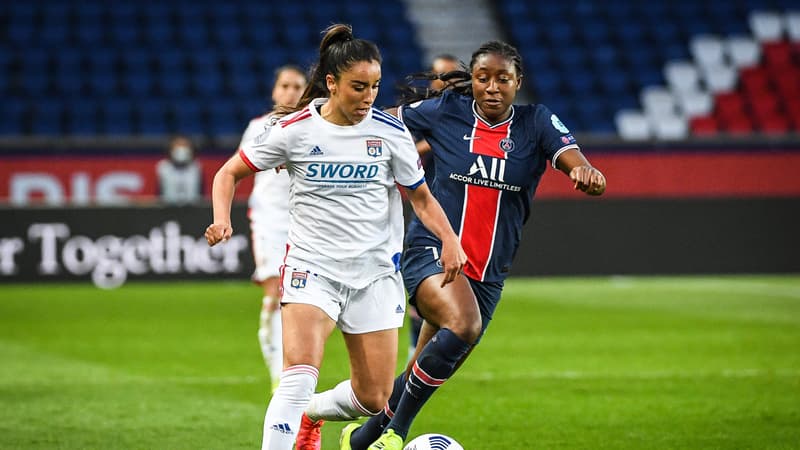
[655,70]
[83,68]
[663,70]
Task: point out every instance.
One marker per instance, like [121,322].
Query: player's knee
[373,400]
[468,330]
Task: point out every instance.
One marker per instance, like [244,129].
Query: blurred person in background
[268,211]
[490,155]
[179,174]
[441,64]
[341,267]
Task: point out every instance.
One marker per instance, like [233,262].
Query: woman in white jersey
[341,267]
[268,211]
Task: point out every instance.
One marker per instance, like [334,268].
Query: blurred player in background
[490,156]
[179,174]
[341,266]
[269,221]
[441,64]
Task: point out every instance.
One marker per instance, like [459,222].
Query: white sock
[337,404]
[270,337]
[276,357]
[282,420]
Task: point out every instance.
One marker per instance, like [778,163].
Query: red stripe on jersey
[481,204]
[248,162]
[303,114]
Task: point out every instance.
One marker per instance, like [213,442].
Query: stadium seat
[793,25]
[695,103]
[743,51]
[767,26]
[778,55]
[658,101]
[720,78]
[150,117]
[707,50]
[681,76]
[14,115]
[703,126]
[47,118]
[632,125]
[82,119]
[670,127]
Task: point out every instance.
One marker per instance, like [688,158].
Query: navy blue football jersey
[485,175]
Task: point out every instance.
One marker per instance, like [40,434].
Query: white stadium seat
[706,50]
[632,125]
[657,101]
[743,51]
[793,25]
[720,78]
[695,103]
[681,76]
[670,128]
[766,26]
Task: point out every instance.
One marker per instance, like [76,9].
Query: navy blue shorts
[421,262]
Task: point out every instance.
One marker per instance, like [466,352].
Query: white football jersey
[269,201]
[346,214]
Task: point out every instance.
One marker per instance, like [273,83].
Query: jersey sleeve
[406,165]
[254,128]
[554,137]
[420,116]
[266,150]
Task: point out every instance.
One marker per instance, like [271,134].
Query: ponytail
[338,51]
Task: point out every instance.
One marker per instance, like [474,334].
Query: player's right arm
[222,196]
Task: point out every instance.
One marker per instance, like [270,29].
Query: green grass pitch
[568,363]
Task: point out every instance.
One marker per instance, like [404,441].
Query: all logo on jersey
[568,139]
[374,147]
[507,145]
[299,279]
[316,151]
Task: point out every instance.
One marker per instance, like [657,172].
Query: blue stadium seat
[242,83]
[125,34]
[157,31]
[47,117]
[102,83]
[187,117]
[82,119]
[224,118]
[69,82]
[206,83]
[173,83]
[13,116]
[138,83]
[151,117]
[116,118]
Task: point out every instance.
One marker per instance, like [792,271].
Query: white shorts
[379,306]
[269,248]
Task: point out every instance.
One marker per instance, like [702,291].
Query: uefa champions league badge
[299,279]
[374,147]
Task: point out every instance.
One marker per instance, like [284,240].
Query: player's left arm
[430,212]
[586,177]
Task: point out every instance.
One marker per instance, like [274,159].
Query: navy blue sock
[434,366]
[371,430]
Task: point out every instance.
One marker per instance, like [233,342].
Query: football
[433,441]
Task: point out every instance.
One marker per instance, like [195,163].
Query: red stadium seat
[729,104]
[704,126]
[738,125]
[763,105]
[778,54]
[754,80]
[773,124]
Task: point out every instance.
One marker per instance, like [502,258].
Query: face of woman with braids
[353,93]
[495,83]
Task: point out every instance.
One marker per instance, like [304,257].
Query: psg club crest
[507,145]
[299,279]
[374,147]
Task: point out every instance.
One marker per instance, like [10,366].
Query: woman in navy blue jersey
[489,156]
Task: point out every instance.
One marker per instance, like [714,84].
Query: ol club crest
[374,147]
[299,279]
